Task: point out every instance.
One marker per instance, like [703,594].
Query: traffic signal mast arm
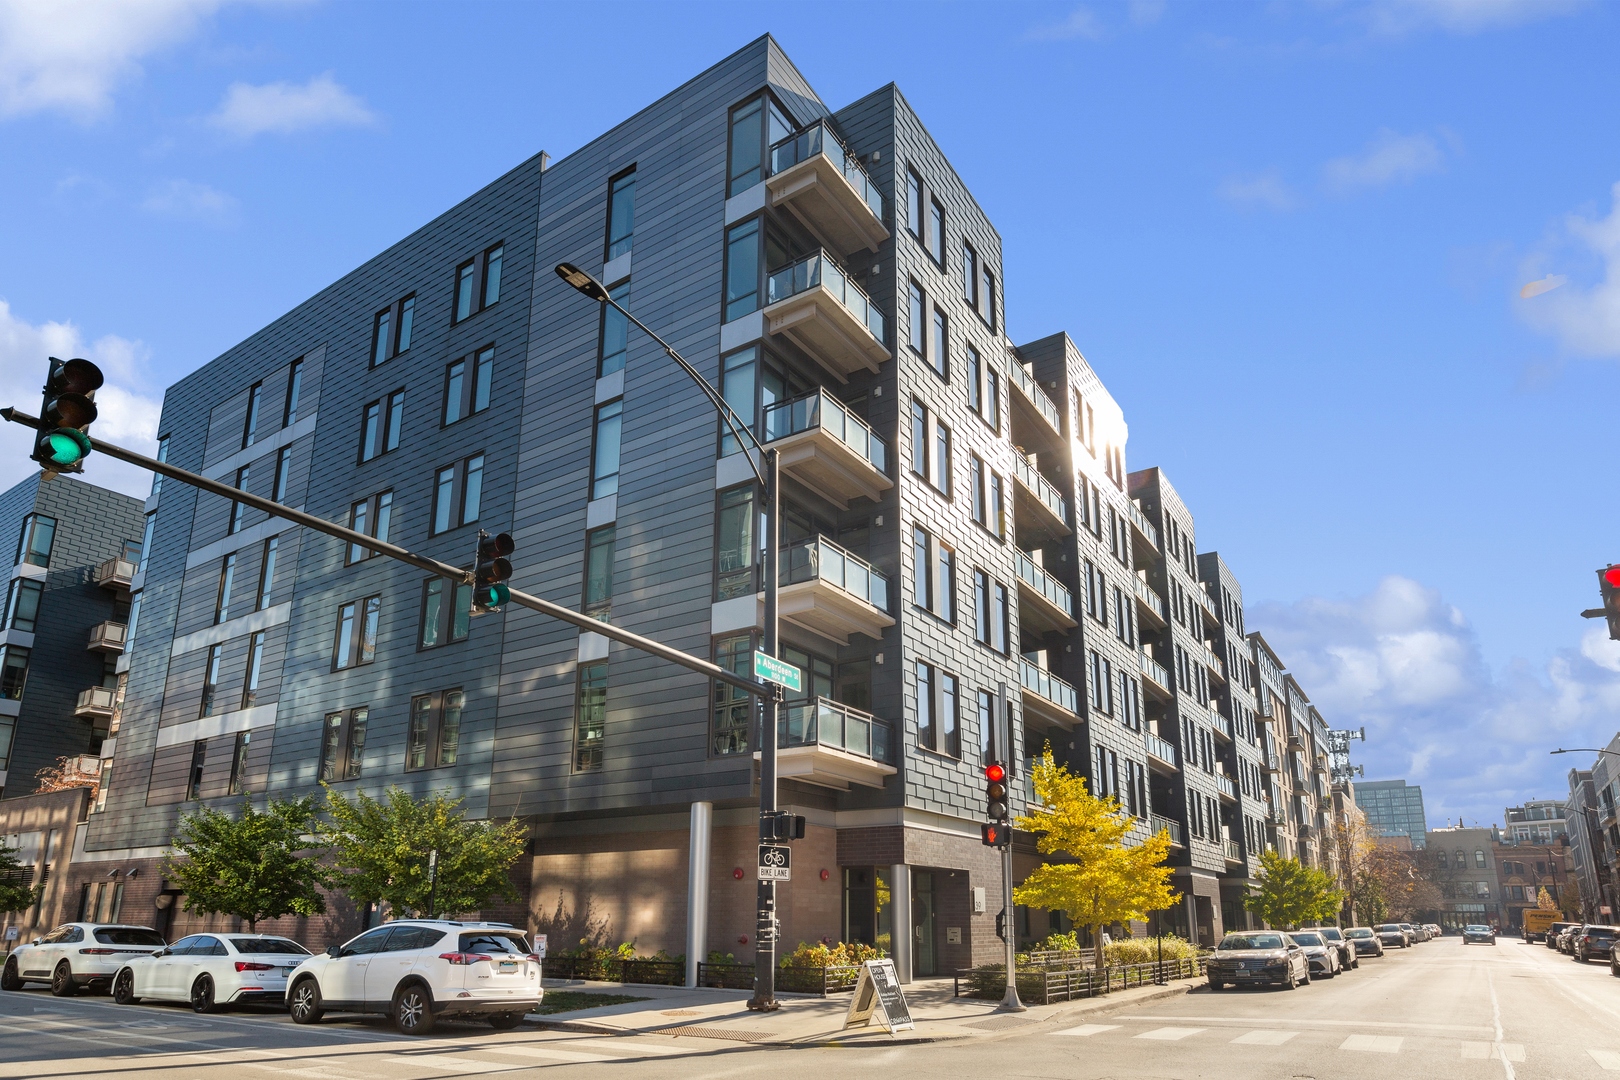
[433,566]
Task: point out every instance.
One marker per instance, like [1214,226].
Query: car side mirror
[334,951]
[160,952]
[34,942]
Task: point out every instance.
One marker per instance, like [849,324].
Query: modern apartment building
[963,548]
[1538,821]
[65,620]
[1592,821]
[1394,808]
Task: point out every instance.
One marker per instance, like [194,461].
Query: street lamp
[1584,750]
[767,473]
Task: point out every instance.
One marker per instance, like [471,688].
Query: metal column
[697,889]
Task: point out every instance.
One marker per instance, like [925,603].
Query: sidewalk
[723,1015]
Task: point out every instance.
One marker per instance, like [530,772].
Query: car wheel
[1217,987]
[9,979]
[305,1002]
[62,981]
[123,988]
[202,995]
[508,1021]
[413,1010]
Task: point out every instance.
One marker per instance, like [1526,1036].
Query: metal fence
[797,980]
[1070,982]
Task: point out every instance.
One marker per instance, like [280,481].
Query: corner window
[22,605]
[599,573]
[742,269]
[756,126]
[446,612]
[738,377]
[162,455]
[343,745]
[13,672]
[146,542]
[614,340]
[736,550]
[356,641]
[621,214]
[605,453]
[590,716]
[733,716]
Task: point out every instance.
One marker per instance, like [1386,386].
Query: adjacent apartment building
[1592,827]
[963,548]
[1394,809]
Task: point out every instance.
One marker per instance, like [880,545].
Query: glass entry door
[923,957]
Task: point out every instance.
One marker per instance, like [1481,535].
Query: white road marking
[1373,1044]
[1169,1034]
[553,1053]
[1606,1059]
[455,1066]
[1265,1038]
[1476,1051]
[1312,1021]
[1087,1030]
[1496,1022]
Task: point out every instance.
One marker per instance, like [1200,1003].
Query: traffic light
[1609,586]
[781,825]
[65,415]
[490,570]
[997,832]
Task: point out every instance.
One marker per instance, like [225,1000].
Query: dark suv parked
[1593,943]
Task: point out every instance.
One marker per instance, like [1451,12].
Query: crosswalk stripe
[1170,1034]
[1476,1051]
[1606,1059]
[551,1053]
[1086,1030]
[454,1066]
[1373,1044]
[1265,1038]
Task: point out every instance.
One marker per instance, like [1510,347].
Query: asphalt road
[1437,1011]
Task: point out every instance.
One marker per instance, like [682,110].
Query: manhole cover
[733,1034]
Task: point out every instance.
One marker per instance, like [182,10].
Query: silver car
[1266,957]
[1322,957]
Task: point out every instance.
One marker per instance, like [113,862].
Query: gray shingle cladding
[92,524]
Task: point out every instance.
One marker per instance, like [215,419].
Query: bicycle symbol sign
[774,863]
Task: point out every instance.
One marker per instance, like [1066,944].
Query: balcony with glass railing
[833,745]
[96,702]
[108,637]
[1221,724]
[1212,660]
[1164,824]
[1224,785]
[1047,696]
[827,448]
[1044,603]
[1273,764]
[816,304]
[1039,508]
[1157,678]
[1144,527]
[116,573]
[816,178]
[1234,851]
[1161,752]
[831,592]
[1152,606]
[1031,406]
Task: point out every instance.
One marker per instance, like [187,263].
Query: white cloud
[127,416]
[282,108]
[1397,18]
[191,201]
[1404,663]
[1267,189]
[1387,159]
[69,55]
[1585,320]
[1081,23]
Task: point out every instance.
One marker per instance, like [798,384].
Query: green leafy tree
[1107,881]
[14,895]
[254,865]
[1291,894]
[382,851]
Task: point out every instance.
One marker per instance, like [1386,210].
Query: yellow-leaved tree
[1106,881]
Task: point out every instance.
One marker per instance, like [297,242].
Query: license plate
[508,966]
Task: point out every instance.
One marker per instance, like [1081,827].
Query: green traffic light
[497,595]
[67,446]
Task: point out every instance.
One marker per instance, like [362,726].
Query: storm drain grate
[996,1023]
[733,1034]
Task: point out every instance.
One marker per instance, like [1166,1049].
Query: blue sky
[1294,239]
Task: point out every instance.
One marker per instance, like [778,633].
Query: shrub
[1145,950]
[831,954]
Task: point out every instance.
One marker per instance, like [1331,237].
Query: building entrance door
[924,959]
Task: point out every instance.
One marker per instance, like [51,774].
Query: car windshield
[511,943]
[1477,929]
[279,946]
[1252,941]
[1307,939]
[1389,928]
[130,935]
[1358,932]
[1331,933]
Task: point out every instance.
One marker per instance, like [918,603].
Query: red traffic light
[995,834]
[994,773]
[1612,576]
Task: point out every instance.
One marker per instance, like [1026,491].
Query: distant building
[1393,808]
[1523,870]
[1464,862]
[1593,824]
[1539,821]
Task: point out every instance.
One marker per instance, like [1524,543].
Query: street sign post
[775,863]
[770,669]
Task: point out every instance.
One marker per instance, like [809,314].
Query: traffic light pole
[433,566]
[764,999]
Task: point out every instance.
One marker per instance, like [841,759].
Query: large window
[756,126]
[621,214]
[250,684]
[295,383]
[467,384]
[278,488]
[936,232]
[914,204]
[733,717]
[381,425]
[599,573]
[991,625]
[736,550]
[458,492]
[614,333]
[239,753]
[391,330]
[146,542]
[13,671]
[227,583]
[1102,684]
[38,535]
[942,458]
[918,319]
[250,422]
[738,377]
[267,573]
[210,689]
[939,356]
[434,737]
[239,510]
[919,438]
[372,517]
[478,283]
[605,452]
[194,774]
[22,605]
[356,641]
[446,612]
[742,269]
[925,684]
[343,745]
[590,715]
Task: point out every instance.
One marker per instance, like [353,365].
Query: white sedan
[212,971]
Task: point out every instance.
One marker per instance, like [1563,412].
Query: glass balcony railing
[1212,660]
[819,409]
[1234,852]
[818,139]
[1153,669]
[820,269]
[1144,526]
[1163,749]
[1021,378]
[116,573]
[1222,724]
[1045,584]
[1048,685]
[1043,489]
[822,560]
[97,701]
[1164,824]
[829,723]
[1224,784]
[1155,602]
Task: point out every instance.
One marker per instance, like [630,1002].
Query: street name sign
[774,863]
[771,669]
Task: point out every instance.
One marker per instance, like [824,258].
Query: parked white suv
[418,970]
[77,954]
